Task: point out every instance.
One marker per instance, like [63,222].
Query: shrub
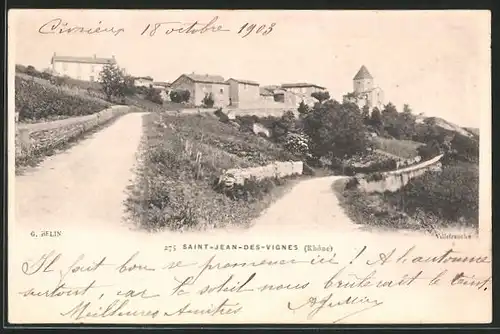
[252,189]
[180,95]
[303,108]
[297,144]
[465,149]
[208,100]
[429,151]
[221,115]
[374,177]
[153,95]
[352,183]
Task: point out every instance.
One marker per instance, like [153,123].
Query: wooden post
[24,137]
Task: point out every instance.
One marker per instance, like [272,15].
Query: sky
[438,62]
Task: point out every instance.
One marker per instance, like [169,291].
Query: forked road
[84,186]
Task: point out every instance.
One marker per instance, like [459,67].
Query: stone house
[266,94]
[143,82]
[243,92]
[80,68]
[200,85]
[164,88]
[305,89]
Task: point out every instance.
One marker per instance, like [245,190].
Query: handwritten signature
[318,304]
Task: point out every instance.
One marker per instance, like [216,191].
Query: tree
[112,80]
[335,131]
[321,96]
[130,88]
[284,125]
[407,109]
[376,120]
[303,108]
[208,100]
[365,114]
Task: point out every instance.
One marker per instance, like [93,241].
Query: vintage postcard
[249,167]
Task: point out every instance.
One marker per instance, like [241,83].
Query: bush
[208,100]
[465,149]
[297,144]
[222,116]
[374,177]
[429,151]
[303,108]
[252,190]
[153,95]
[180,95]
[352,183]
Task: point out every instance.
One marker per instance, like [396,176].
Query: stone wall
[394,180]
[277,169]
[32,138]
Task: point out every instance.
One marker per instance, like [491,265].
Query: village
[232,93]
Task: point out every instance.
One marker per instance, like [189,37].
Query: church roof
[363,74]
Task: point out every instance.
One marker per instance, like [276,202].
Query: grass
[180,159]
[435,200]
[405,149]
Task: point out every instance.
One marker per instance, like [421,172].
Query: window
[65,66]
[92,68]
[222,90]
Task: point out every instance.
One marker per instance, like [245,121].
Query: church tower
[363,81]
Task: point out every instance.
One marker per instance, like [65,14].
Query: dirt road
[310,206]
[84,186]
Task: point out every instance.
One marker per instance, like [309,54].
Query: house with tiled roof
[365,92]
[303,88]
[81,68]
[243,92]
[201,85]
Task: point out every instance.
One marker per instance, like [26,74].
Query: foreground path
[310,206]
[84,186]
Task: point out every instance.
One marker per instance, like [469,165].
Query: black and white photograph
[356,125]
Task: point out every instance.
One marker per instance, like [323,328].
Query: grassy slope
[175,191]
[402,148]
[38,100]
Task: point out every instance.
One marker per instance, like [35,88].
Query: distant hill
[472,130]
[444,124]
